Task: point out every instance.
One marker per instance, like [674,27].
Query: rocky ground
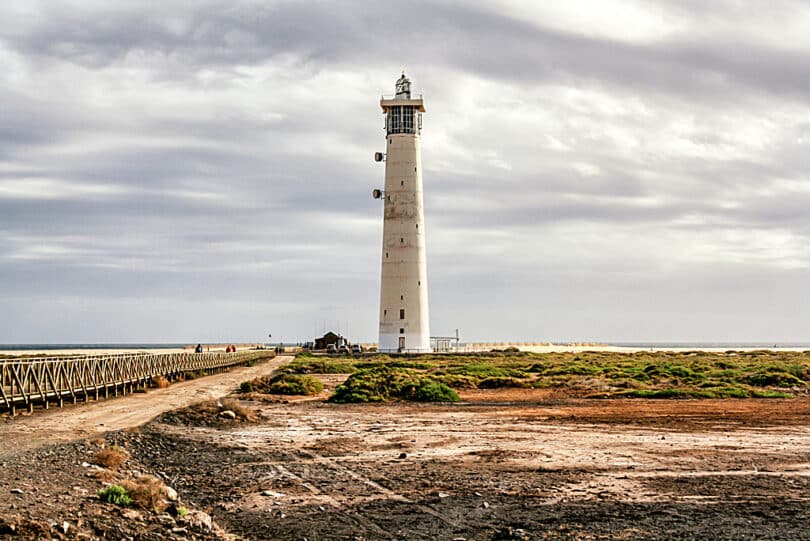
[510,464]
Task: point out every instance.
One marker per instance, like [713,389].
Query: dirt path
[86,420]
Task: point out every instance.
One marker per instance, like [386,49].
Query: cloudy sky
[611,170]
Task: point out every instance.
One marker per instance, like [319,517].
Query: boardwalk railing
[42,381]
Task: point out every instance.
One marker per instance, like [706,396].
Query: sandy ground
[502,464]
[85,420]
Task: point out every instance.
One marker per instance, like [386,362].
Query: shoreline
[477,347]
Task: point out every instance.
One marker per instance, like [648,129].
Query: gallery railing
[44,381]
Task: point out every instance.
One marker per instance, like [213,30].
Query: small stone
[403,455]
[486,505]
[477,494]
[131,514]
[444,495]
[321,508]
[170,493]
[85,464]
[198,519]
[227,414]
[180,530]
[65,527]
[17,491]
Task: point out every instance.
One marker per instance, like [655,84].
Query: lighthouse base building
[404,318]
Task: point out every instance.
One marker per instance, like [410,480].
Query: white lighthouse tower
[404,321]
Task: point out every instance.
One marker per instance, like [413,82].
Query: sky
[594,170]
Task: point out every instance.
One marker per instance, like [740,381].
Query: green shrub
[773,379]
[115,494]
[383,383]
[434,391]
[294,384]
[289,384]
[497,383]
[456,381]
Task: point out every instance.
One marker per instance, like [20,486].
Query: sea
[686,345]
[45,347]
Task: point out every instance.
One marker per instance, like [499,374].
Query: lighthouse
[404,320]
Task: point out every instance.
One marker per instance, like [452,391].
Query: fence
[42,381]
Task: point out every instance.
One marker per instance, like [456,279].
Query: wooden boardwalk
[30,382]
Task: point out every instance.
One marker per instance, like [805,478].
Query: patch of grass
[383,383]
[321,365]
[673,392]
[111,458]
[147,492]
[140,390]
[486,370]
[770,394]
[116,495]
[285,383]
[182,511]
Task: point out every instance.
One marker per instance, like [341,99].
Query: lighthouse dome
[403,87]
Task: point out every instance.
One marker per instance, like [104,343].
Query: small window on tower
[385,312]
[417,226]
[401,313]
[386,255]
[402,297]
[401,239]
[401,331]
[419,283]
[402,183]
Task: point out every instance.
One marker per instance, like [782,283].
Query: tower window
[386,255]
[419,283]
[385,312]
[402,183]
[417,226]
[401,313]
[401,239]
[402,297]
[401,331]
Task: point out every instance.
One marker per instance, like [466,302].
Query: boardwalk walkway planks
[27,382]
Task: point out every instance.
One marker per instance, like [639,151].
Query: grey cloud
[257,220]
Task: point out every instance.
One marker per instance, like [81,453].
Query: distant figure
[233,348]
[198,349]
[228,349]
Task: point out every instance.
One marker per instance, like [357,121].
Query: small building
[330,338]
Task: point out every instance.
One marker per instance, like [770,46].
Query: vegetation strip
[691,374]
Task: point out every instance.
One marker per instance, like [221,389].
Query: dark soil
[493,469]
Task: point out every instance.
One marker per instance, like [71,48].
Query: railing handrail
[38,380]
